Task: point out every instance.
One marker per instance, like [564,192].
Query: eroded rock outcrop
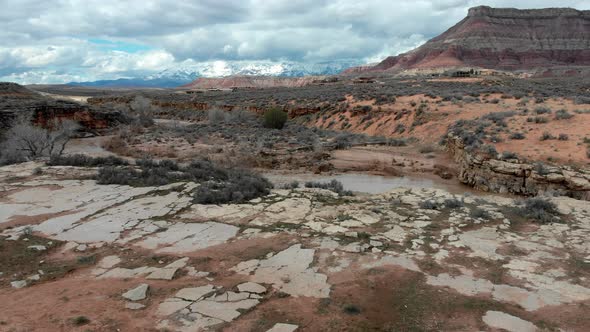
[16,100]
[516,176]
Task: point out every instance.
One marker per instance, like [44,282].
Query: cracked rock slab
[282,327]
[288,271]
[138,293]
[500,320]
[251,287]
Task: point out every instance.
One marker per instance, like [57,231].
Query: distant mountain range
[184,74]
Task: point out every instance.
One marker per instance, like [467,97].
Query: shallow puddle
[365,183]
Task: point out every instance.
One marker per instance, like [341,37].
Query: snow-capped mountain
[188,71]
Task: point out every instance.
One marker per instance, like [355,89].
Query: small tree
[144,109]
[25,141]
[275,118]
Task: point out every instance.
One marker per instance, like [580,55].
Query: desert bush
[240,186]
[499,118]
[291,185]
[495,101]
[478,213]
[80,320]
[453,203]
[218,184]
[563,137]
[540,168]
[580,100]
[144,109]
[238,116]
[542,110]
[489,150]
[81,160]
[426,149]
[25,141]
[215,116]
[343,141]
[507,155]
[275,118]
[428,205]
[397,142]
[334,185]
[517,136]
[563,115]
[539,209]
[546,136]
[538,119]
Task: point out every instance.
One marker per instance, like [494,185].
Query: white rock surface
[282,327]
[500,320]
[138,293]
[251,287]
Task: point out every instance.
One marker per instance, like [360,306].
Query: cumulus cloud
[53,40]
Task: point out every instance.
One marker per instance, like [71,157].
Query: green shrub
[334,185]
[351,309]
[539,209]
[546,136]
[428,205]
[218,184]
[506,155]
[563,115]
[453,203]
[80,320]
[275,118]
[81,160]
[543,110]
[478,213]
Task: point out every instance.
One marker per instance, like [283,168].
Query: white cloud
[46,39]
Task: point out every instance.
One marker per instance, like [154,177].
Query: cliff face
[504,39]
[16,100]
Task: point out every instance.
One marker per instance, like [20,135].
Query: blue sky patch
[111,45]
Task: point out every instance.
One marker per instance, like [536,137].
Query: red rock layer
[504,39]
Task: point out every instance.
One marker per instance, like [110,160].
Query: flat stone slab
[251,287]
[186,237]
[226,311]
[282,327]
[134,306]
[138,293]
[288,271]
[162,274]
[18,284]
[500,320]
[195,293]
[199,307]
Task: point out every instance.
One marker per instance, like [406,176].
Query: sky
[58,41]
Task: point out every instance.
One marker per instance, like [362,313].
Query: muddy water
[370,184]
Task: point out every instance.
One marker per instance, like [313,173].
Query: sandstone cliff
[503,39]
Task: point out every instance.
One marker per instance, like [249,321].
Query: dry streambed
[117,257]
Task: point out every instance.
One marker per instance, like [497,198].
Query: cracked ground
[86,257]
